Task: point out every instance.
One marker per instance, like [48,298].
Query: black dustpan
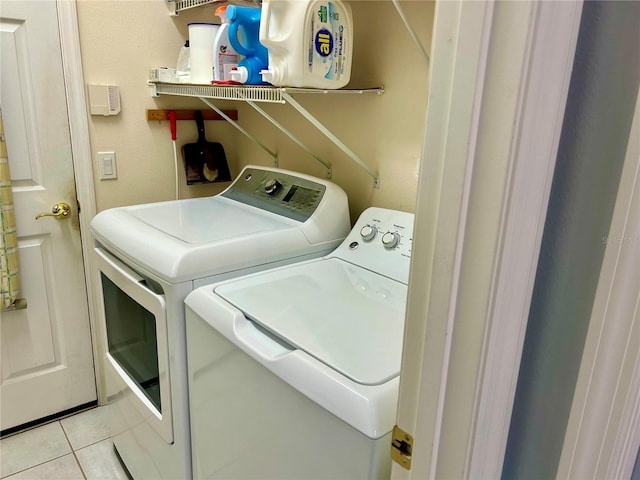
[205,162]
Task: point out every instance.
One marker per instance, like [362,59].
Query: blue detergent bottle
[246,22]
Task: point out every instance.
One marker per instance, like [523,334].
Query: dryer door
[136,329]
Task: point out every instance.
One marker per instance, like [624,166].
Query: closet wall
[120,41]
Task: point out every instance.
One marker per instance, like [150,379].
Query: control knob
[390,239]
[272,187]
[368,232]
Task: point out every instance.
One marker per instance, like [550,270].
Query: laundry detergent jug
[310,42]
[244,32]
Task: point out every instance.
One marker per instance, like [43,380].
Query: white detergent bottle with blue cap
[310,42]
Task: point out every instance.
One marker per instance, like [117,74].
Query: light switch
[107,165]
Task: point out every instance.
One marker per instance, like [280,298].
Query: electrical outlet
[107,165]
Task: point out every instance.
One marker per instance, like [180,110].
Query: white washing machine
[294,371]
[151,256]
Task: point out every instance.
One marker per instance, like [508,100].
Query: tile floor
[75,447]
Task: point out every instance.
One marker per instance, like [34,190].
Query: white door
[47,362]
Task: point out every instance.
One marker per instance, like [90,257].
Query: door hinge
[401,447]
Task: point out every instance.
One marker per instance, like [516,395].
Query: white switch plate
[107,165]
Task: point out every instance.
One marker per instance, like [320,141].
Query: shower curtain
[8,238]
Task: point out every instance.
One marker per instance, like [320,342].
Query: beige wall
[120,41]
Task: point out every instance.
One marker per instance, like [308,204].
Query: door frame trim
[435,354]
[459,56]
[82,164]
[552,43]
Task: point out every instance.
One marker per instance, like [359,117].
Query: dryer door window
[132,341]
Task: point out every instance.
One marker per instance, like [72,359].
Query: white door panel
[47,363]
[33,344]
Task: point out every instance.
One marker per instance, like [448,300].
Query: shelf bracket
[302,111]
[237,125]
[253,94]
[326,164]
[412,32]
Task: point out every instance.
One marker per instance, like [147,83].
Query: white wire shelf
[177,6]
[253,94]
[181,5]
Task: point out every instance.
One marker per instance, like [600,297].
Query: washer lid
[347,317]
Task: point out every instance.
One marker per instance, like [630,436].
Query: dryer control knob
[368,232]
[390,239]
[272,187]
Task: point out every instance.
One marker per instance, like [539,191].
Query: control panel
[381,241]
[277,192]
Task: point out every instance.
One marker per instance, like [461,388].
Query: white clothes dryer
[294,371]
[149,257]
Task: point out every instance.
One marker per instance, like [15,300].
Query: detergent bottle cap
[240,75]
[231,12]
[221,12]
[272,75]
[267,75]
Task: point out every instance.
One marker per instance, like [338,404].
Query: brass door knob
[59,210]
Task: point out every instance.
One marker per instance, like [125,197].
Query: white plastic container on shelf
[310,42]
[201,37]
[183,66]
